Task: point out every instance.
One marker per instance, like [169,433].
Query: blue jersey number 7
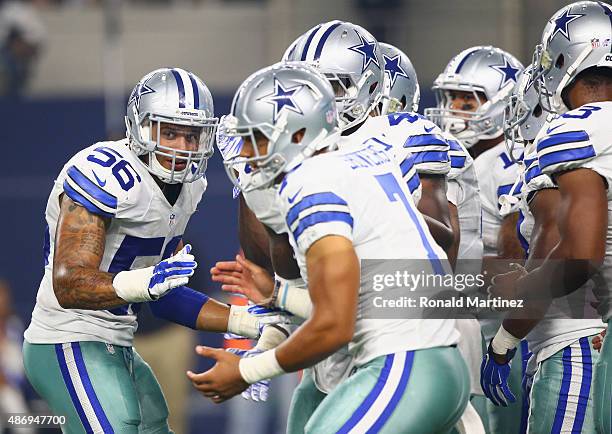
[393,190]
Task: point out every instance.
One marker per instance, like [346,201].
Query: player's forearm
[508,244]
[213,316]
[434,204]
[312,342]
[83,288]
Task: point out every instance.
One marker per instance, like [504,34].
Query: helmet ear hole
[298,135]
[403,101]
[560,61]
[373,87]
[537,111]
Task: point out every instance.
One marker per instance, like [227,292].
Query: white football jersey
[463,192]
[496,174]
[556,331]
[581,138]
[109,180]
[359,194]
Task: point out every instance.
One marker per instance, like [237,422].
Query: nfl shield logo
[172,219]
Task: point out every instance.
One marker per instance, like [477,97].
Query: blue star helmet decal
[507,71]
[393,67]
[140,90]
[562,21]
[282,99]
[367,50]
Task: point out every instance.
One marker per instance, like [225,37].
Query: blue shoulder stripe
[326,198]
[430,157]
[425,139]
[566,156]
[532,172]
[516,191]
[324,39]
[322,217]
[562,138]
[457,161]
[414,182]
[81,200]
[91,188]
[504,189]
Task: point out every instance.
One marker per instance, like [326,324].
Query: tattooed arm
[79,246]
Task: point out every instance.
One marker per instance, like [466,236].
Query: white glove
[256,391]
[249,321]
[151,283]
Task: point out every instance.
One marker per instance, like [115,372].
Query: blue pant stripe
[585,387]
[525,356]
[91,393]
[565,385]
[59,351]
[397,395]
[371,398]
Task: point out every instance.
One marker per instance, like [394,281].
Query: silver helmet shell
[577,37]
[484,70]
[277,102]
[350,58]
[171,96]
[524,116]
[401,87]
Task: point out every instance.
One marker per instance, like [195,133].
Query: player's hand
[257,391]
[223,381]
[244,277]
[494,373]
[172,272]
[598,340]
[504,285]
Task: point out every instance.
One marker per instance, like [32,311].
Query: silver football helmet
[178,97]
[524,116]
[484,70]
[577,37]
[401,87]
[351,59]
[277,102]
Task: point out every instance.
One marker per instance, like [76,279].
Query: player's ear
[298,136]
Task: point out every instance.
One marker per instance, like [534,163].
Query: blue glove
[257,391]
[494,378]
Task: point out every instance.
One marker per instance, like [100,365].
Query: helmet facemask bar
[263,169]
[185,165]
[516,113]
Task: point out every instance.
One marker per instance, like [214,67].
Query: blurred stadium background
[66,67]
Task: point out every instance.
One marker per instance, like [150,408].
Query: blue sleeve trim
[566,156]
[180,305]
[457,162]
[91,188]
[430,157]
[326,198]
[454,145]
[83,201]
[414,182]
[424,140]
[532,172]
[407,164]
[322,217]
[562,138]
[524,243]
[504,189]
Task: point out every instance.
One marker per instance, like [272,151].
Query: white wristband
[260,367]
[242,323]
[133,285]
[503,341]
[294,300]
[271,337]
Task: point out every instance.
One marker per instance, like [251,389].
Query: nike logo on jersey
[550,130]
[428,130]
[292,199]
[101,182]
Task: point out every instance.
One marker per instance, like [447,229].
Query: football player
[334,204]
[116,217]
[574,79]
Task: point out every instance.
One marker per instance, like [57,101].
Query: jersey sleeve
[102,181]
[454,192]
[459,157]
[429,148]
[534,179]
[509,203]
[313,210]
[564,144]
